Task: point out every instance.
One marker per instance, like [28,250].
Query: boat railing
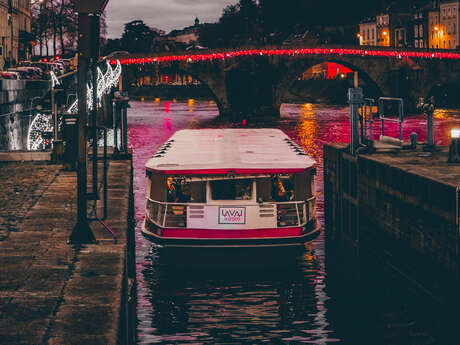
[165,214]
[295,213]
[174,215]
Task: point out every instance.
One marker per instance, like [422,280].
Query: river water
[280,297]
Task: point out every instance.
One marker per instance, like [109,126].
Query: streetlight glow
[455,133]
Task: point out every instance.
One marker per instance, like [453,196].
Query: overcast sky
[162,14]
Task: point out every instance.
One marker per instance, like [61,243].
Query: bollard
[121,105]
[58,151]
[428,107]
[413,140]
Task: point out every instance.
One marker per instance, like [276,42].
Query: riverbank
[50,292]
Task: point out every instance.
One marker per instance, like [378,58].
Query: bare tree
[56,21]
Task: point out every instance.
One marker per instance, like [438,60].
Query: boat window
[198,191]
[283,188]
[302,186]
[157,190]
[264,189]
[297,187]
[181,190]
[231,189]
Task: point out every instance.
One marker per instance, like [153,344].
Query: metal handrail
[300,222]
[400,119]
[167,203]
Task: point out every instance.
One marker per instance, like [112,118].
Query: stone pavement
[51,293]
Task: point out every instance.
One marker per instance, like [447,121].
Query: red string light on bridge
[290,52]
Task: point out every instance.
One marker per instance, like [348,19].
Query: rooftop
[224,151]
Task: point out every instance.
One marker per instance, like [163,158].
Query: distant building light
[455,133]
[454,147]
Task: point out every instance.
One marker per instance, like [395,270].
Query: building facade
[449,22]
[401,30]
[368,33]
[188,35]
[383,30]
[421,25]
[433,25]
[15,29]
[434,29]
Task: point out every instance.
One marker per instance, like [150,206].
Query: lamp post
[436,28]
[88,52]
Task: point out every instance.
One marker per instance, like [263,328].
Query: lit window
[231,189]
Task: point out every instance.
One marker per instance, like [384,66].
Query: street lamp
[88,52]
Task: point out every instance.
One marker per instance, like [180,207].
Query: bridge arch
[295,68]
[211,81]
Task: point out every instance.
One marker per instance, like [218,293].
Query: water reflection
[237,296]
[275,297]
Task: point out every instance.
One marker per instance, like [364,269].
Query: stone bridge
[255,81]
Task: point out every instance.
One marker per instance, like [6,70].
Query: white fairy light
[101,85]
[105,82]
[44,123]
[54,80]
[40,124]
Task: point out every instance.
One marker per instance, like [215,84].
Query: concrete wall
[15,101]
[399,213]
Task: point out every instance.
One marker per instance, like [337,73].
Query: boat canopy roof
[229,151]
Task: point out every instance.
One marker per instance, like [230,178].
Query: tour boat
[230,188]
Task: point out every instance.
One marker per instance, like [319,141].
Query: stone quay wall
[400,207]
[17,97]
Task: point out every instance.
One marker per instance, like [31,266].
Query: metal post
[54,114]
[430,139]
[355,99]
[95,32]
[124,124]
[82,232]
[94,129]
[428,108]
[115,130]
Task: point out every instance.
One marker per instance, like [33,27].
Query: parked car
[27,72]
[9,75]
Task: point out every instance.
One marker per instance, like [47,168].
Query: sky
[162,14]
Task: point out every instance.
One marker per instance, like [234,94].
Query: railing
[286,46]
[167,214]
[295,213]
[174,215]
